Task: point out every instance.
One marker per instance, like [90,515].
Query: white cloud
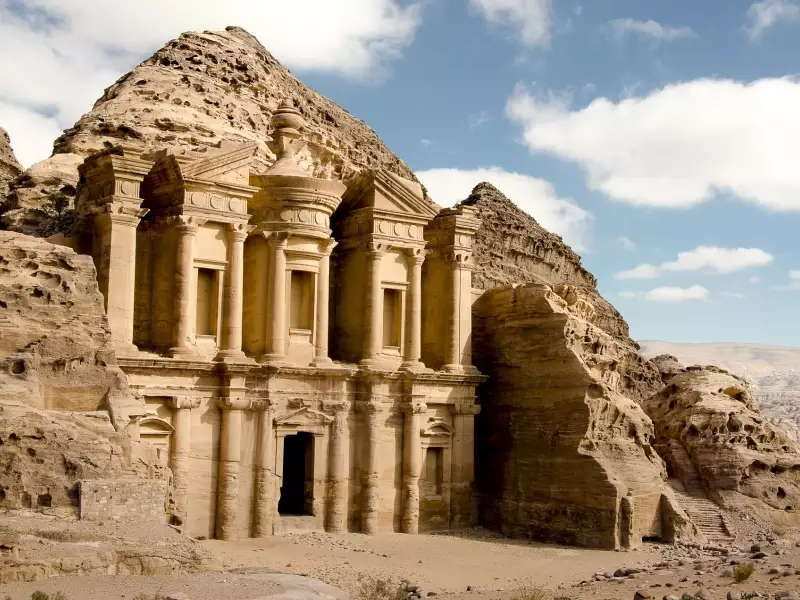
[754,280]
[794,282]
[643,271]
[735,295]
[648,29]
[530,19]
[72,50]
[535,196]
[794,275]
[479,118]
[704,258]
[627,294]
[626,243]
[677,146]
[765,14]
[676,294]
[426,142]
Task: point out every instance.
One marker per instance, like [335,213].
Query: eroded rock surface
[9,165]
[55,343]
[195,94]
[564,450]
[712,415]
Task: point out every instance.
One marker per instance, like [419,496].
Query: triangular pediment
[229,166]
[386,192]
[303,417]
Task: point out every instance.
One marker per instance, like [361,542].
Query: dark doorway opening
[297,487]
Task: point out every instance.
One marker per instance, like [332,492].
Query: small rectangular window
[301,311]
[392,318]
[205,320]
[434,471]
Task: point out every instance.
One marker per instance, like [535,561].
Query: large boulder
[738,453]
[564,451]
[9,165]
[195,94]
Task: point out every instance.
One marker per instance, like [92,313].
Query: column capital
[466,409]
[184,402]
[376,250]
[458,257]
[337,406]
[187,224]
[414,408]
[122,213]
[416,256]
[277,238]
[368,408]
[234,403]
[327,246]
[238,232]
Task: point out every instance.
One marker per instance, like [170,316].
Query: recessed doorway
[297,486]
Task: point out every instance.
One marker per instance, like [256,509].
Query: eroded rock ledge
[565,453]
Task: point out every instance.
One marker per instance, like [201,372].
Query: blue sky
[659,137]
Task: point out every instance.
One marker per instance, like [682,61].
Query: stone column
[463,510]
[413,342]
[277,320]
[228,474]
[184,276]
[231,347]
[337,459]
[453,350]
[412,459]
[179,456]
[118,267]
[321,357]
[370,481]
[266,480]
[373,304]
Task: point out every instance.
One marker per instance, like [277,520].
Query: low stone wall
[114,500]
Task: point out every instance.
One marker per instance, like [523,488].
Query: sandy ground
[444,564]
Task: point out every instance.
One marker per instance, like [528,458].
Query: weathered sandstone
[55,343]
[9,165]
[712,416]
[194,95]
[564,451]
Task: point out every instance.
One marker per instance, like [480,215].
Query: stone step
[302,523]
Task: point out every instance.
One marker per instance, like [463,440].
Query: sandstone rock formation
[711,416]
[55,343]
[9,166]
[511,248]
[197,93]
[564,451]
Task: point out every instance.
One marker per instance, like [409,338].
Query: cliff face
[9,166]
[194,94]
[564,451]
[738,454]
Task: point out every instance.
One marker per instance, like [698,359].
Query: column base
[183,352]
[274,359]
[322,361]
[232,356]
[461,369]
[414,366]
[125,349]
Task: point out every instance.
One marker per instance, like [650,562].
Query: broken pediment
[387,193]
[229,166]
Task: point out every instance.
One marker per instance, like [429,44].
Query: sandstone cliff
[55,344]
[512,248]
[9,166]
[194,94]
[711,416]
[564,451]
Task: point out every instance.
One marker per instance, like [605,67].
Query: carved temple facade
[301,343]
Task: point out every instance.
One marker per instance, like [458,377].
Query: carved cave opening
[298,475]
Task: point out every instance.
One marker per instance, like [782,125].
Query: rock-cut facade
[300,344]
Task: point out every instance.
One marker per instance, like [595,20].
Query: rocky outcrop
[9,165]
[564,451]
[55,343]
[668,366]
[712,416]
[195,94]
[512,248]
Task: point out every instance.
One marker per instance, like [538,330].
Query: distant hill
[773,371]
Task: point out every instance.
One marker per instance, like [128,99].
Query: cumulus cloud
[678,146]
[670,294]
[708,259]
[72,50]
[528,19]
[626,243]
[763,15]
[535,196]
[754,280]
[650,29]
